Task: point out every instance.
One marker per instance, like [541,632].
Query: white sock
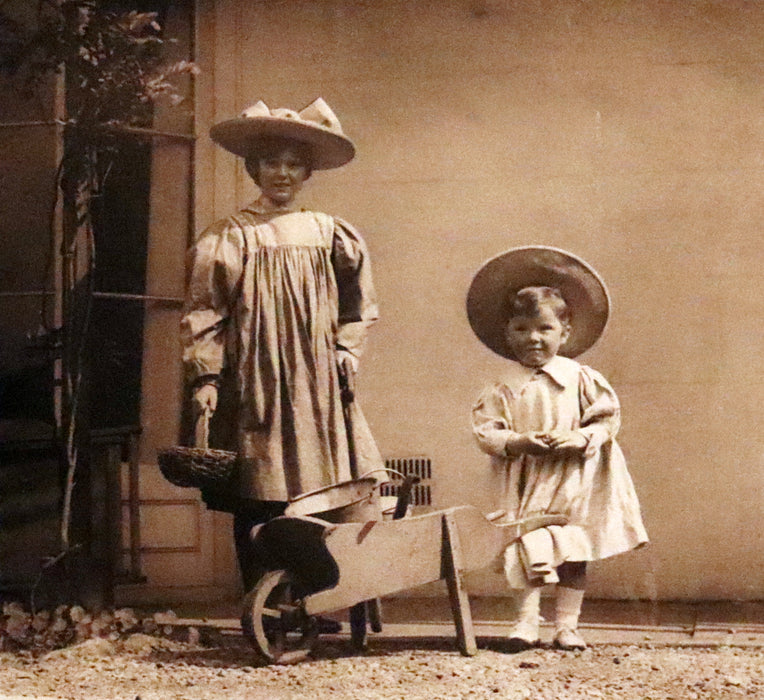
[567,608]
[527,622]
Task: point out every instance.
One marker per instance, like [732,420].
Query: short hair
[270,146]
[528,301]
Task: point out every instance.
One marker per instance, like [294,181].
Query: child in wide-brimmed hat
[549,424]
[279,301]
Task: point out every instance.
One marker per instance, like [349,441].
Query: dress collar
[562,370]
[258,207]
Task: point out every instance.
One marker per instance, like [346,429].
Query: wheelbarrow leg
[371,610]
[368,611]
[457,593]
[358,626]
[374,611]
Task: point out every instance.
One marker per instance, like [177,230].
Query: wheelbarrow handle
[404,496]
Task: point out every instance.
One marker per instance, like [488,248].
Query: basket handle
[383,469]
[202,429]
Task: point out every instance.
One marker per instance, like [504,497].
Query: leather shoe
[568,640]
[523,635]
[514,645]
[328,626]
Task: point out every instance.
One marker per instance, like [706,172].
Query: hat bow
[317,113]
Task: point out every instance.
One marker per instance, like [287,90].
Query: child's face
[280,176]
[534,340]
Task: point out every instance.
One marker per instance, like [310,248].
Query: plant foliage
[114,70]
[114,61]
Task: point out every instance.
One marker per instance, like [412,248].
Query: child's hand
[565,440]
[525,443]
[205,398]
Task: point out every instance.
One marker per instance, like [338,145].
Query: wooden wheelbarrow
[317,567]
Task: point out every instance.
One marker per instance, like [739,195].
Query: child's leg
[244,519]
[525,632]
[570,597]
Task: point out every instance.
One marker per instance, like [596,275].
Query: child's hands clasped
[571,440]
[539,443]
[525,443]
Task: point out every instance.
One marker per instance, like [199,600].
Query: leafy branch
[114,71]
[113,61]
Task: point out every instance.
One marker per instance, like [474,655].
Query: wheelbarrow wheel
[275,621]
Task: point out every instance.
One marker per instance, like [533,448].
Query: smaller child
[549,424]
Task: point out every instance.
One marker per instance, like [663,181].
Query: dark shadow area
[120,220]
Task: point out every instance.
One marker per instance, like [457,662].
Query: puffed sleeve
[357,298]
[215,264]
[600,409]
[491,421]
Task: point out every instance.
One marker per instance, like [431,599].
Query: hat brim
[502,276]
[329,150]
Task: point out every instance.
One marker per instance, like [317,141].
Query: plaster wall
[628,133]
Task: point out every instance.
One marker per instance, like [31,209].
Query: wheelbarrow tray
[340,565]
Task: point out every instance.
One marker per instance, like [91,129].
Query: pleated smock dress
[274,295]
[595,489]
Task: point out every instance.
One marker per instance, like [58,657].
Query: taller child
[279,302]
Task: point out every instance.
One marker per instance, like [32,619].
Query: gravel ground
[146,667]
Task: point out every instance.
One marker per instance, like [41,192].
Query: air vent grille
[421,467]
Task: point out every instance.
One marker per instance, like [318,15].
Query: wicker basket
[198,467]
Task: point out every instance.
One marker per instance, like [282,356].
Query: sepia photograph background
[628,133]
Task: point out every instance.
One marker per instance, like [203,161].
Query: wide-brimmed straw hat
[501,277]
[315,125]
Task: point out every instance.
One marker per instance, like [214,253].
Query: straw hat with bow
[315,125]
[501,277]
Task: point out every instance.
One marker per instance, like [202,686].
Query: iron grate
[421,494]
